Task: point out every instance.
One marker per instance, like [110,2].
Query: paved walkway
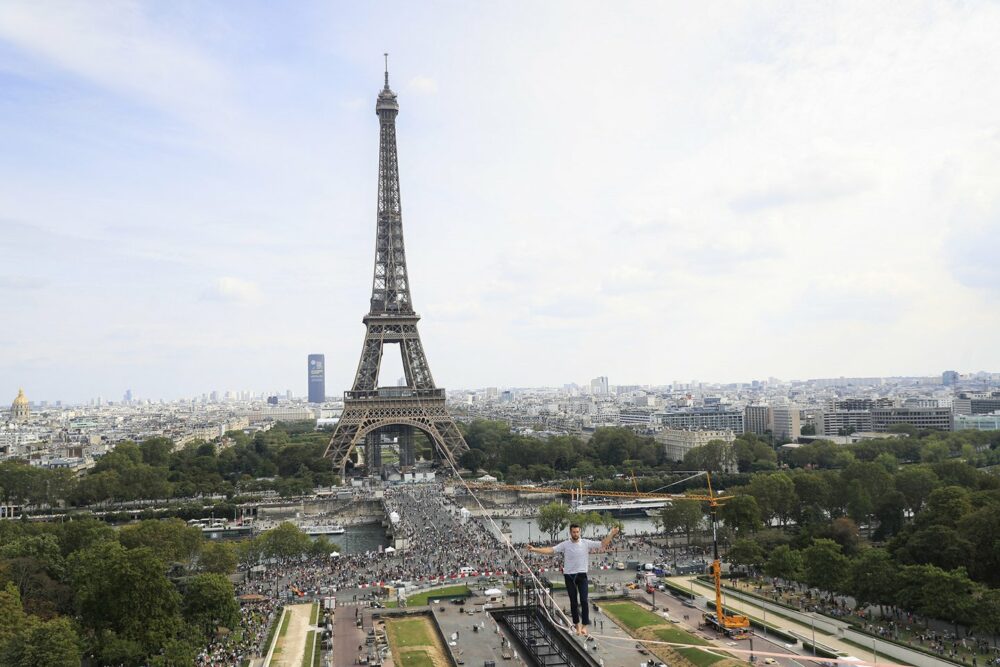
[347,636]
[292,647]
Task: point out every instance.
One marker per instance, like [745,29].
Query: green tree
[775,494]
[12,617]
[746,553]
[890,514]
[784,563]
[713,456]
[936,593]
[916,484]
[845,532]
[872,578]
[986,621]
[683,515]
[81,533]
[218,558]
[587,520]
[946,505]
[741,513]
[553,518]
[981,529]
[936,545]
[859,503]
[123,595]
[172,539]
[934,451]
[156,451]
[474,459]
[210,602]
[52,643]
[825,567]
[285,541]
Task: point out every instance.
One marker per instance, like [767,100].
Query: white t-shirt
[575,554]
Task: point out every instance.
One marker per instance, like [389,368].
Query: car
[769,661]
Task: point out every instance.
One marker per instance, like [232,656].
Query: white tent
[493,592]
[390,550]
[334,554]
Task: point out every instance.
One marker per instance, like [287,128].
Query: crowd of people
[440,541]
[235,648]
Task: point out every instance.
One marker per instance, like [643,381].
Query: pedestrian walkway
[291,647]
[348,638]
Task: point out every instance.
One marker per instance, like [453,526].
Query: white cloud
[648,194]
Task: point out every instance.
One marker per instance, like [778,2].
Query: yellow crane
[728,623]
[734,624]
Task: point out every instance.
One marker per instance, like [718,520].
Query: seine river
[361,538]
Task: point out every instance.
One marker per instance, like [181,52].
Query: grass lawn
[314,615]
[417,659]
[307,656]
[633,615]
[699,658]
[409,632]
[284,624]
[420,599]
[678,636]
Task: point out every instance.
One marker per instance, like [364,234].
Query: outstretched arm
[541,550]
[610,536]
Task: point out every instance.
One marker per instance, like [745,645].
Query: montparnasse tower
[20,409]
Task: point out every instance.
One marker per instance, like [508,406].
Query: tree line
[152,593]
[287,459]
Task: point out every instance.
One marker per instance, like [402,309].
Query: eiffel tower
[372,413]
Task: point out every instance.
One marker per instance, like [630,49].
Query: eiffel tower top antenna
[386,70]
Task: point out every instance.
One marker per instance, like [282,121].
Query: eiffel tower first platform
[373,414]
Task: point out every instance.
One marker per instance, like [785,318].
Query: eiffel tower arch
[372,412]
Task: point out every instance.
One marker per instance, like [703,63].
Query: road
[347,636]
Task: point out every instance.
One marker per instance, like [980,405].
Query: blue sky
[649,191]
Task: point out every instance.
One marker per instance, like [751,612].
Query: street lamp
[812,619]
[529,531]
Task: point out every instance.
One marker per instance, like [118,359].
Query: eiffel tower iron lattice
[371,411]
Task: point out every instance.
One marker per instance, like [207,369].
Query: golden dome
[21,398]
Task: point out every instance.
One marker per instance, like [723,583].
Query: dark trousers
[576,586]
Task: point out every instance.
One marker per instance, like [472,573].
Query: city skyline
[188,199]
[222,394]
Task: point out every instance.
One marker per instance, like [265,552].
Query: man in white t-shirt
[576,562]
